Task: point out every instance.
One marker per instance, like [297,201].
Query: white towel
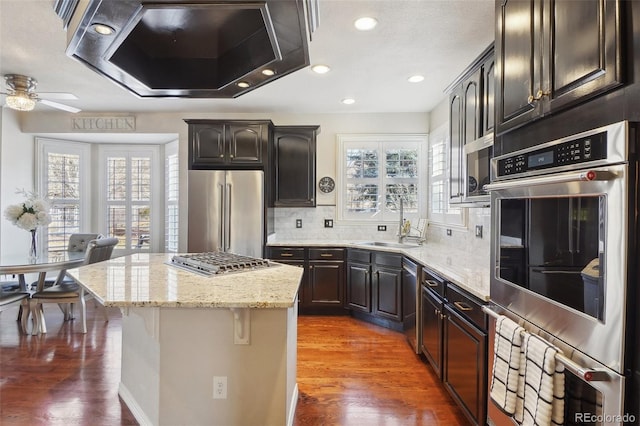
[506,364]
[541,384]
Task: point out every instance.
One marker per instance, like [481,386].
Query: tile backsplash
[313,219]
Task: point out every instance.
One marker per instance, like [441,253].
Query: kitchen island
[200,350]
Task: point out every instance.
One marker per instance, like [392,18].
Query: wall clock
[326,184]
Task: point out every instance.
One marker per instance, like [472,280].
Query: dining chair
[77,243]
[72,293]
[9,299]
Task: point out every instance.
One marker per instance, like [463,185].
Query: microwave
[477,170]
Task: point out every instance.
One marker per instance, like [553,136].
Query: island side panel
[194,345]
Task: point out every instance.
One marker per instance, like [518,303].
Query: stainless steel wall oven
[563,252]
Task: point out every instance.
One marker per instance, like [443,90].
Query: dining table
[16,264]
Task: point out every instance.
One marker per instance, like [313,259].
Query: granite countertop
[471,273]
[146,280]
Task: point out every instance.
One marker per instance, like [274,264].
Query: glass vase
[33,249]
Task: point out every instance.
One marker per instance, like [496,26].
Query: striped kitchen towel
[540,398]
[506,364]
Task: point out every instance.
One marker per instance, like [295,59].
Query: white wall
[16,172]
[18,140]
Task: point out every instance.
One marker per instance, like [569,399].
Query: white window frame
[156,227]
[452,216]
[172,227]
[379,142]
[45,146]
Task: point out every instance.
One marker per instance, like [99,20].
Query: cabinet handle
[462,306]
[443,316]
[539,95]
[431,283]
[230,155]
[286,255]
[326,255]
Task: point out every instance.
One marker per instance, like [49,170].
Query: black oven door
[558,251]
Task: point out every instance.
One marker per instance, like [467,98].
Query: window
[64,180]
[439,209]
[130,209]
[171,197]
[379,172]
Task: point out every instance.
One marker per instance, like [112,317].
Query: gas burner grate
[213,263]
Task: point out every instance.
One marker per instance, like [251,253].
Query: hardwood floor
[349,373]
[354,373]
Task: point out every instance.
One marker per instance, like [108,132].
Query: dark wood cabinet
[322,289]
[294,174]
[432,317]
[359,280]
[488,92]
[465,354]
[559,54]
[456,141]
[376,289]
[471,116]
[215,144]
[387,286]
[325,287]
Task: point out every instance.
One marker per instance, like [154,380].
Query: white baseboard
[294,402]
[135,409]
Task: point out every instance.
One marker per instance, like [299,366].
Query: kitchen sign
[104,124]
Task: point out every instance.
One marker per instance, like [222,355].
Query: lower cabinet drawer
[326,254]
[466,306]
[286,253]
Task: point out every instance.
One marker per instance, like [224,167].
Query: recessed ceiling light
[243,84]
[103,29]
[365,23]
[348,101]
[415,79]
[268,72]
[320,69]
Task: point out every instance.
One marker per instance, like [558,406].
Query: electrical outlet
[479,231]
[382,227]
[449,232]
[219,387]
[298,223]
[328,223]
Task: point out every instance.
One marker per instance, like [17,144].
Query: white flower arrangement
[30,214]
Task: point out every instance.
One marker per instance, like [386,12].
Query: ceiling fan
[21,94]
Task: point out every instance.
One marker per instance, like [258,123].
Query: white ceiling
[436,38]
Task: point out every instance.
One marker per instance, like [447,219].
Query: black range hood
[187,49]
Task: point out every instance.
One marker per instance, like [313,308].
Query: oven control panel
[576,151]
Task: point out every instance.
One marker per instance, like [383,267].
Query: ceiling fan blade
[59,96]
[59,106]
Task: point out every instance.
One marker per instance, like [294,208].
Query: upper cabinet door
[207,145]
[456,141]
[584,50]
[552,54]
[518,61]
[295,166]
[488,92]
[472,107]
[246,143]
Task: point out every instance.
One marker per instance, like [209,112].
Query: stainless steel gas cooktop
[213,263]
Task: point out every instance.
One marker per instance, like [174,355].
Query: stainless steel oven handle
[583,176]
[586,374]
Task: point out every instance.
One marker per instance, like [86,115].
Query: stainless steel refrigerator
[226,211]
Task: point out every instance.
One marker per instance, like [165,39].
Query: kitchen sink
[389,244]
